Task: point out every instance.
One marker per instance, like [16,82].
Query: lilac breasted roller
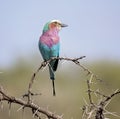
[49,46]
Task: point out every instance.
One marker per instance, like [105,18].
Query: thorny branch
[29,104]
[90,111]
[44,64]
[97,110]
[35,108]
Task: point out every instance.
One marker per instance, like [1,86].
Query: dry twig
[29,104]
[35,108]
[44,64]
[95,110]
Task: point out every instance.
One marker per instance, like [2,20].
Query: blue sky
[94,27]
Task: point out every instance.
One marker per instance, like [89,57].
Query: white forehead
[56,21]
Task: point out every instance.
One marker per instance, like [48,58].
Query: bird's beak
[64,25]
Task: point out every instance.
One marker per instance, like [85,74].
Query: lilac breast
[49,38]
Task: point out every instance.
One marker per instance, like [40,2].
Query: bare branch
[89,89]
[97,110]
[11,99]
[29,104]
[44,64]
[111,96]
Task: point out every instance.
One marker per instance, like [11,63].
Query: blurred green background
[70,86]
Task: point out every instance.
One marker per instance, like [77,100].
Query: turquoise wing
[48,52]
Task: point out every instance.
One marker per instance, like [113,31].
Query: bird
[49,46]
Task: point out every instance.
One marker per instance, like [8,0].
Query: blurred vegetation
[70,87]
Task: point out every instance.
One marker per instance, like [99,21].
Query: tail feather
[53,88]
[52,68]
[52,77]
[55,65]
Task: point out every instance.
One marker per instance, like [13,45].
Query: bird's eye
[55,22]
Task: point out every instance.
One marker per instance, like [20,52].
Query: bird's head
[54,24]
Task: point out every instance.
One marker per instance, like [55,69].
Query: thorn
[22,112]
[85,101]
[22,107]
[91,77]
[36,112]
[1,105]
[107,103]
[112,113]
[96,92]
[117,90]
[9,108]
